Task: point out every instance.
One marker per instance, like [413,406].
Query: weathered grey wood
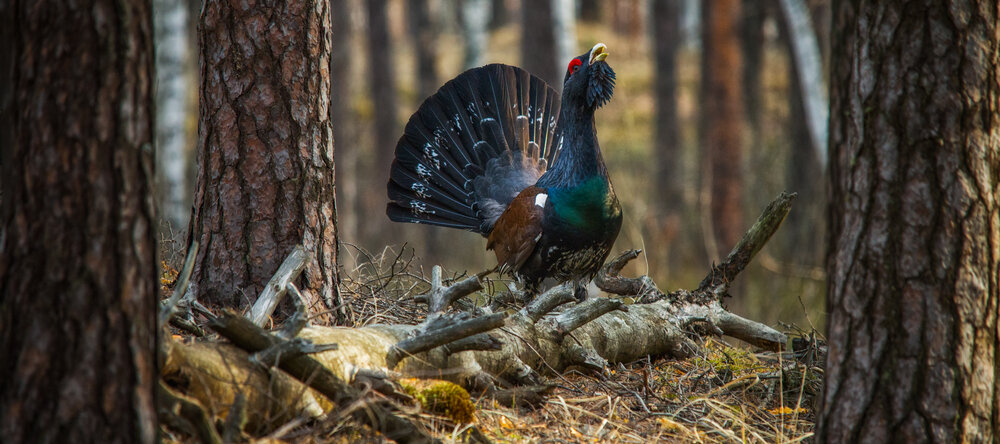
[278,285]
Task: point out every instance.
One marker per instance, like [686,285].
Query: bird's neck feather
[579,156]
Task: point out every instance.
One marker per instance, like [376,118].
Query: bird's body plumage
[497,152]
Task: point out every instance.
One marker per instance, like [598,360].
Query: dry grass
[725,394]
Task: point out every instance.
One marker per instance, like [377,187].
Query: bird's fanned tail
[472,147]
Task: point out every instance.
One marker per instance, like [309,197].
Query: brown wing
[518,229]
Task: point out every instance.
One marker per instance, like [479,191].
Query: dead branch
[278,285]
[174,406]
[751,243]
[251,338]
[437,337]
[440,297]
[169,308]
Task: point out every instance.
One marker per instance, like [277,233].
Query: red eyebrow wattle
[574,63]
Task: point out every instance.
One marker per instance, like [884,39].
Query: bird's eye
[574,65]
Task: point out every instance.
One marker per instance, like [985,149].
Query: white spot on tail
[540,199]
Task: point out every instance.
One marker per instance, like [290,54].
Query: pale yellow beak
[598,53]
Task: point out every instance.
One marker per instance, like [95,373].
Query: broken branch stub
[275,289]
[755,238]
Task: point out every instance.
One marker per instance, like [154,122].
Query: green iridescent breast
[589,205]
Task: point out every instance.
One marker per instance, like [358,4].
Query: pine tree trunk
[424,32]
[344,122]
[382,87]
[592,11]
[499,13]
[721,126]
[78,272]
[538,42]
[914,224]
[266,168]
[666,38]
[752,17]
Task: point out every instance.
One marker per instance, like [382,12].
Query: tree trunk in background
[538,42]
[914,224]
[808,65]
[666,38]
[721,123]
[592,11]
[806,228]
[424,32]
[499,13]
[564,26]
[174,66]
[344,123]
[475,15]
[626,18]
[382,87]
[753,13]
[266,168]
[78,271]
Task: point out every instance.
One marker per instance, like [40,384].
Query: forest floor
[726,393]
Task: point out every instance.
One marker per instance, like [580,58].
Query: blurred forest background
[718,107]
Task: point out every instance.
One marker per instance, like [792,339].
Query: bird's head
[589,81]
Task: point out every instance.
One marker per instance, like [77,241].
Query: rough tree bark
[914,224]
[78,272]
[265,162]
[721,123]
[666,38]
[538,42]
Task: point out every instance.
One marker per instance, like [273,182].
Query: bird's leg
[580,290]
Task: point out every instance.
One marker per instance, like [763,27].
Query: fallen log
[479,349]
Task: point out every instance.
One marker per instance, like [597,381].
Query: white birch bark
[173,108]
[809,66]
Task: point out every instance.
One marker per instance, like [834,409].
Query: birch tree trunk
[475,16]
[174,66]
[914,224]
[564,27]
[266,168]
[78,271]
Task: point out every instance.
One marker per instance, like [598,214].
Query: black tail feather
[471,147]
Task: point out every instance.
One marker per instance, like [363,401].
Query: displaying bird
[496,151]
